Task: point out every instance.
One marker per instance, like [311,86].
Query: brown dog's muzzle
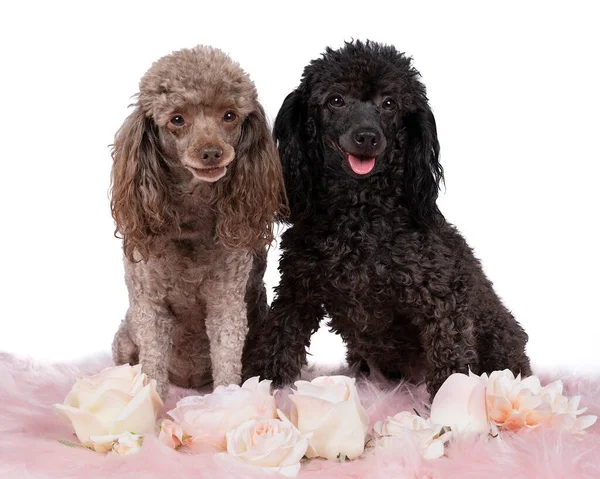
[211,155]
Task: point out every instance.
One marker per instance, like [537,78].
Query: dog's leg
[154,331]
[278,350]
[357,362]
[124,350]
[450,347]
[256,298]
[227,321]
[502,342]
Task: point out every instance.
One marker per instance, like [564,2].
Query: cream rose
[329,412]
[207,419]
[274,445]
[115,401]
[405,426]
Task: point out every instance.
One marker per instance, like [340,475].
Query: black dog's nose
[367,137]
[211,154]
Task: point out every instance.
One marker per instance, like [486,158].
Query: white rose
[207,419]
[273,445]
[117,400]
[122,444]
[404,426]
[460,404]
[329,412]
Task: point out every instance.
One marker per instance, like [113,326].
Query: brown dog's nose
[366,138]
[211,154]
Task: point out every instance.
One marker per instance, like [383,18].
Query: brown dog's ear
[252,196]
[140,185]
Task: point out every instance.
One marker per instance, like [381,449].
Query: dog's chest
[186,274]
[357,253]
[373,263]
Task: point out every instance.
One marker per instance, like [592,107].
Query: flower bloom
[405,426]
[271,444]
[501,400]
[514,403]
[171,435]
[115,401]
[122,444]
[207,419]
[329,412]
[460,404]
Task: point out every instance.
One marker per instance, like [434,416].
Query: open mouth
[210,174]
[361,165]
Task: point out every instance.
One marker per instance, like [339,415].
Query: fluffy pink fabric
[29,434]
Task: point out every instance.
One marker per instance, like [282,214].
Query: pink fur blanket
[29,434]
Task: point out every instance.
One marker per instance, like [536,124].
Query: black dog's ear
[288,133]
[422,169]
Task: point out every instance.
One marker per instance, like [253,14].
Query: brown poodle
[196,187]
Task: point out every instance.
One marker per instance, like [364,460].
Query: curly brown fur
[368,245]
[196,187]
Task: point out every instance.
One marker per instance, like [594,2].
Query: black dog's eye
[229,116]
[388,104]
[178,121]
[336,101]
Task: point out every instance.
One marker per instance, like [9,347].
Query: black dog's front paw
[282,380]
[281,376]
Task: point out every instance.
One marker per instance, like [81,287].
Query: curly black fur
[372,250]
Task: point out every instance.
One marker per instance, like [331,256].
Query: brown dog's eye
[229,117]
[389,104]
[336,101]
[178,121]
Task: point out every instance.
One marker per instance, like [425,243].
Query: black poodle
[368,245]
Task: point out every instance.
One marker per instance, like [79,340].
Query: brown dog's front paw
[227,379]
[162,388]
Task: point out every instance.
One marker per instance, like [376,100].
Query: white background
[514,88]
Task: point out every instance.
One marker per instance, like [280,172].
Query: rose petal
[341,430]
[460,404]
[171,434]
[122,444]
[127,444]
[583,422]
[84,423]
[308,413]
[103,443]
[108,406]
[140,414]
[329,388]
[434,450]
[271,444]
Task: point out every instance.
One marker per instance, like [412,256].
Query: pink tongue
[361,167]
